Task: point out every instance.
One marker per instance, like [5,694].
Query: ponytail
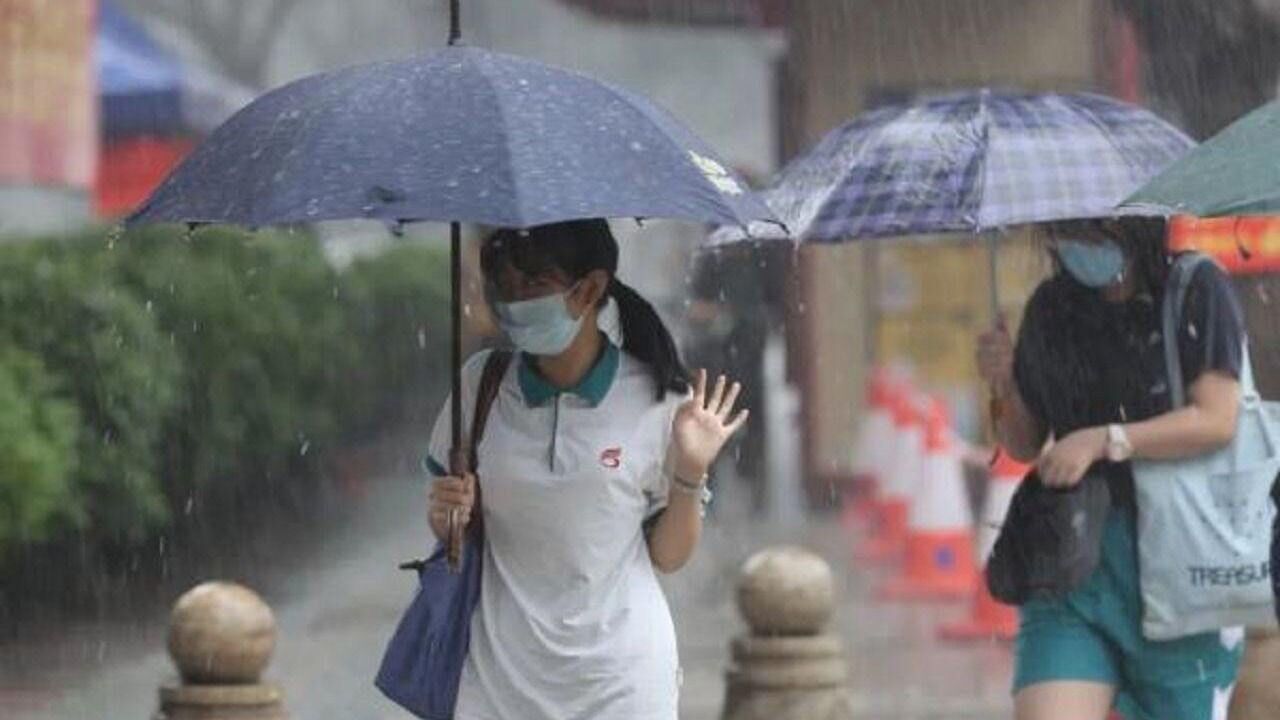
[646,338]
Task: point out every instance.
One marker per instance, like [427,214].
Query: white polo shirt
[572,622]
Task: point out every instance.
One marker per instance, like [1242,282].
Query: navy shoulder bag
[422,666]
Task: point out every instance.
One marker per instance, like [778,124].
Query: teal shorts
[1095,634]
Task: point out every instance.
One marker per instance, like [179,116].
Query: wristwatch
[1119,449]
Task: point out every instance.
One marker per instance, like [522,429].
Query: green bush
[399,305]
[263,335]
[159,374]
[56,303]
[38,430]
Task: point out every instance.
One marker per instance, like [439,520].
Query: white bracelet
[685,487]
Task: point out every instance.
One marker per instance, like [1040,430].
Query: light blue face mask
[541,326]
[1094,265]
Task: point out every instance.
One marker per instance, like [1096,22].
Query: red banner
[48,109]
[130,169]
[1244,245]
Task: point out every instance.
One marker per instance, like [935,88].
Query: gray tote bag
[1204,523]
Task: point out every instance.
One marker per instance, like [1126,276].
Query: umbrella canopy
[970,162]
[1233,173]
[459,135]
[462,134]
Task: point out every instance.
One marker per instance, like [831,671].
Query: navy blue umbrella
[459,135]
[462,134]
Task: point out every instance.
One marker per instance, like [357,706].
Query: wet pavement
[336,609]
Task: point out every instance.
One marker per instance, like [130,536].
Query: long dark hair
[577,247]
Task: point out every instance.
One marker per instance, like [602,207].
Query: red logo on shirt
[611,457]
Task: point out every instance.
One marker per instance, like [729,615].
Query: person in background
[735,302]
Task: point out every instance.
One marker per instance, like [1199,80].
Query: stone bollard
[221,636]
[1257,693]
[787,667]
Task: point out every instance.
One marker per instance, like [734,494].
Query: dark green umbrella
[1236,172]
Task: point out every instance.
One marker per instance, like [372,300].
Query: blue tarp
[140,84]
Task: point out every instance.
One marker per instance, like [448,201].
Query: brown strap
[495,368]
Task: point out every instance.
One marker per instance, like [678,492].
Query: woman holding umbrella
[593,468]
[1088,372]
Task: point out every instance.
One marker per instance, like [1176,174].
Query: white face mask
[541,326]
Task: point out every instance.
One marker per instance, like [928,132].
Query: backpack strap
[1175,296]
[495,368]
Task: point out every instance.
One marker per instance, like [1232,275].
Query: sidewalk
[335,611]
[898,669]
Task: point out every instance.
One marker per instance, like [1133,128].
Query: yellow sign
[934,299]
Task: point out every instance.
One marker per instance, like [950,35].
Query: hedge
[102,345]
[37,450]
[403,322]
[146,377]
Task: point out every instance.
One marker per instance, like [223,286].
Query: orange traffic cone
[860,504]
[889,530]
[988,618]
[939,553]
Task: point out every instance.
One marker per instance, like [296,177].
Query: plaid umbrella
[970,162]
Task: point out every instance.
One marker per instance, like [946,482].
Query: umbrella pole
[996,405]
[993,270]
[457,451]
[455,21]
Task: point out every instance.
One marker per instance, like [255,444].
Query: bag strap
[1175,296]
[495,368]
[1184,268]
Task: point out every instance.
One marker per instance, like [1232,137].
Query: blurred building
[717,13]
[153,108]
[48,131]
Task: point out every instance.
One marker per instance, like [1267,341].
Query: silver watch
[1119,449]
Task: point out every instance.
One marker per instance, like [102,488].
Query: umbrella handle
[459,463]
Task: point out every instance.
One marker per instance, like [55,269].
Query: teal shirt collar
[592,387]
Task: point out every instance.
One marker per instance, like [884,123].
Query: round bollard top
[221,633]
[786,591]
